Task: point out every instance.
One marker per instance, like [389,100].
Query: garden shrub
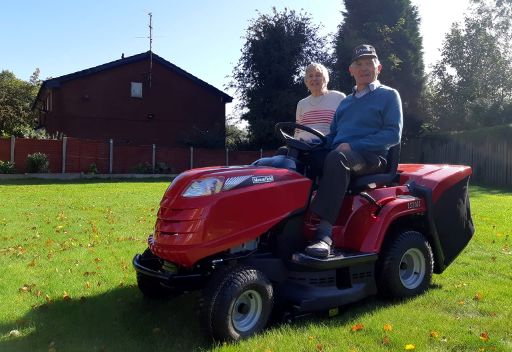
[37,163]
[163,168]
[7,167]
[93,169]
[143,168]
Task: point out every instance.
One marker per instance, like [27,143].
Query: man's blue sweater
[372,122]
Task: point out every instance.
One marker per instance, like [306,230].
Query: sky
[203,37]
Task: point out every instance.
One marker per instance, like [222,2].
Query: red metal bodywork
[190,229]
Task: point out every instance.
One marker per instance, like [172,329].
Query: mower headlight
[204,187]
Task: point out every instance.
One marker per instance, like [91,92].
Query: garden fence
[491,160]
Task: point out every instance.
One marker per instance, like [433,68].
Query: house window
[136,90]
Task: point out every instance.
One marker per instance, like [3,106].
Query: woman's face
[315,81]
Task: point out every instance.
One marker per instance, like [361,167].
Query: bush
[163,168]
[7,167]
[37,163]
[93,169]
[143,168]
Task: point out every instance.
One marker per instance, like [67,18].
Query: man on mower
[366,124]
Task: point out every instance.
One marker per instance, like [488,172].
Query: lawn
[66,283]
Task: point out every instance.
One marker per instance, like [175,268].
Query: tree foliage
[16,98]
[471,85]
[269,75]
[391,26]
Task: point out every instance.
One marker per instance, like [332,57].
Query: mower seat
[358,184]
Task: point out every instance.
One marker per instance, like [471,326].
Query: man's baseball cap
[363,50]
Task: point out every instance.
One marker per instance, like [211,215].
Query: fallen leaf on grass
[319,347]
[410,347]
[484,336]
[478,297]
[51,347]
[66,296]
[14,333]
[388,327]
[434,334]
[26,288]
[386,340]
[357,327]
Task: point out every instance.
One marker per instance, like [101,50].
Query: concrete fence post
[111,156]
[64,152]
[153,158]
[13,143]
[191,157]
[227,157]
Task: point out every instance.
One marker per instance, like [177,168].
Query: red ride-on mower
[237,233]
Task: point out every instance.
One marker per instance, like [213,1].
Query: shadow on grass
[478,190]
[118,320]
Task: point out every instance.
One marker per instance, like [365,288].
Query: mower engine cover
[213,209]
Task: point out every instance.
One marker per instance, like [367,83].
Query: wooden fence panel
[177,159]
[491,160]
[5,149]
[83,154]
[52,148]
[128,158]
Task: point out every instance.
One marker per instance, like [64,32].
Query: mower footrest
[337,259]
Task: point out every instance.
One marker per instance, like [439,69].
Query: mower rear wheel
[406,266]
[236,303]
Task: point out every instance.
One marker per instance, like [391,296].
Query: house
[141,99]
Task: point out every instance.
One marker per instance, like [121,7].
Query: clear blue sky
[202,37]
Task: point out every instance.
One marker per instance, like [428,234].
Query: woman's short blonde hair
[316,66]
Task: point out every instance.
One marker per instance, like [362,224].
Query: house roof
[56,82]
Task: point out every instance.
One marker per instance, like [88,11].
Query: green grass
[66,282]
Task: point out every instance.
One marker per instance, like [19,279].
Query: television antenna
[150,46]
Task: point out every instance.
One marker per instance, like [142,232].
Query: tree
[392,27]
[471,85]
[269,75]
[16,98]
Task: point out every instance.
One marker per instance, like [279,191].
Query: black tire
[149,286]
[406,265]
[236,303]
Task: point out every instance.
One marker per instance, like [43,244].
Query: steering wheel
[299,144]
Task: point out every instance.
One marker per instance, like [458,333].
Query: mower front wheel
[406,266]
[236,303]
[149,286]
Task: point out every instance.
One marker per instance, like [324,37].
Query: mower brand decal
[262,179]
[414,204]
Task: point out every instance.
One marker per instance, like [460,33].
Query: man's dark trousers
[337,169]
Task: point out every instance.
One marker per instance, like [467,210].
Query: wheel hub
[247,310]
[412,268]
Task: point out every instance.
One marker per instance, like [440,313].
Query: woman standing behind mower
[316,110]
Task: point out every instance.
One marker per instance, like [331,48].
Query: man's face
[365,70]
